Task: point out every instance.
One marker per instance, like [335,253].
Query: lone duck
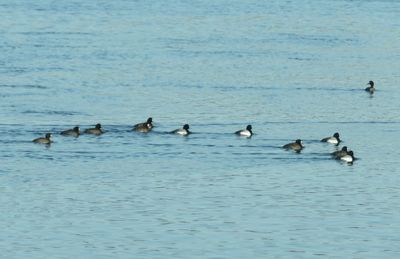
[245,132]
[182,131]
[45,140]
[370,89]
[144,126]
[340,153]
[95,131]
[71,132]
[296,146]
[333,139]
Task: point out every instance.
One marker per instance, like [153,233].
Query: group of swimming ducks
[147,126]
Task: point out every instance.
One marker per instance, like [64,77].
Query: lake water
[292,69]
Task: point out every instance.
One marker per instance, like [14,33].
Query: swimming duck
[183,131]
[340,153]
[96,130]
[245,132]
[371,88]
[71,132]
[295,146]
[45,140]
[333,140]
[349,158]
[144,126]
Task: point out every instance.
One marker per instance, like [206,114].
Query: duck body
[45,140]
[144,127]
[71,132]
[245,132]
[183,131]
[296,146]
[335,139]
[370,89]
[349,158]
[95,131]
[340,153]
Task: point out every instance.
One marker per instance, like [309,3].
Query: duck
[370,89]
[335,139]
[45,140]
[144,126]
[182,131]
[349,158]
[95,131]
[340,153]
[74,132]
[245,132]
[295,146]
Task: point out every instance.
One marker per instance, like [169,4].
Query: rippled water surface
[292,69]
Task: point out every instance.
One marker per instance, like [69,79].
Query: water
[292,69]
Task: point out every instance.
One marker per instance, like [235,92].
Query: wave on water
[68,113]
[25,86]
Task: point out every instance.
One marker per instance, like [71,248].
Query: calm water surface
[292,69]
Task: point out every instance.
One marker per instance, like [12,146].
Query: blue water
[292,69]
